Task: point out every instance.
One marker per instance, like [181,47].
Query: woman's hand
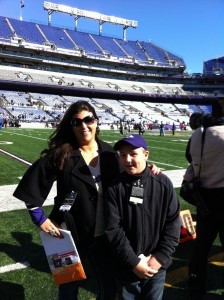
[51,228]
[154,169]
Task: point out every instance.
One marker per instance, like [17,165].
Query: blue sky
[191,29]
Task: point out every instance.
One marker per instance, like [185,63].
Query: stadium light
[22,5]
[78,13]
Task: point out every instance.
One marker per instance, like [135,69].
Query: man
[143,224]
[210,166]
[161,129]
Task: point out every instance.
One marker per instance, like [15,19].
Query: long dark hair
[63,140]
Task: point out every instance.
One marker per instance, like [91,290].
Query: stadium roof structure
[78,13]
[46,59]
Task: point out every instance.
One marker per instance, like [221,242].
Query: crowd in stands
[133,115]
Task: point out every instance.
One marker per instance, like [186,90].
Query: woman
[82,165]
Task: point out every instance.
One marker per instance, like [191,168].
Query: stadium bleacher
[55,56]
[90,43]
[214,67]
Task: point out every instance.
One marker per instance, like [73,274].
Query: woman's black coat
[37,182]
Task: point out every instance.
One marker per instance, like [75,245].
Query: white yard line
[16,157]
[30,136]
[13,267]
[160,163]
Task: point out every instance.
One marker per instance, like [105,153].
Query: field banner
[187,227]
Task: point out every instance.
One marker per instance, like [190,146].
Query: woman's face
[84,127]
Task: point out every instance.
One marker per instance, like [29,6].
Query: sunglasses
[76,122]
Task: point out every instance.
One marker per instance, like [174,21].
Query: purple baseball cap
[133,139]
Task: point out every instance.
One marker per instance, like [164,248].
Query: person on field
[173,129]
[209,163]
[161,129]
[82,165]
[142,223]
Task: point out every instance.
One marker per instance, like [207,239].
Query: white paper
[59,251]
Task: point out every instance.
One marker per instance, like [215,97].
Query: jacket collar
[79,168]
[146,172]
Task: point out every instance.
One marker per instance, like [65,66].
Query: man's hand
[153,262]
[142,270]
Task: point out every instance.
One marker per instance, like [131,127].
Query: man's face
[133,159]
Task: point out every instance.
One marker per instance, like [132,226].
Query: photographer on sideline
[211,165]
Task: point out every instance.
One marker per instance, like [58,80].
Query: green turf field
[20,241]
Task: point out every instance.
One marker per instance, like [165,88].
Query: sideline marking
[180,140]
[5,143]
[33,137]
[176,276]
[160,163]
[16,157]
[217,260]
[13,267]
[173,150]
